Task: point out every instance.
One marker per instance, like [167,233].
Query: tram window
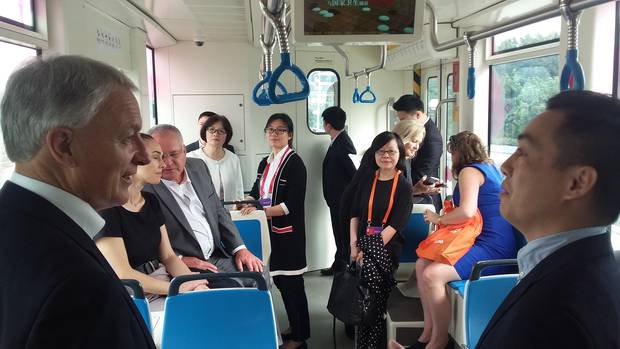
[18,12]
[150,71]
[12,57]
[536,34]
[324,93]
[518,92]
[452,125]
[432,97]
[453,118]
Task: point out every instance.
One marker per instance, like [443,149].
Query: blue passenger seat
[137,294]
[254,231]
[219,318]
[414,232]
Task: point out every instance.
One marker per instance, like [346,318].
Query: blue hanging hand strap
[356,91]
[471,82]
[260,95]
[285,64]
[368,95]
[573,68]
[356,95]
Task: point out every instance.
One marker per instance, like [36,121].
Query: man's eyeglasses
[276,131]
[219,131]
[390,153]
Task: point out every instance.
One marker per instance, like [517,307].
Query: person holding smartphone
[412,133]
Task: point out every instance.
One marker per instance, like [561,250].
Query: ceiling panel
[215,20]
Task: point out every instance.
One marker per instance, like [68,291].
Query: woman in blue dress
[478,188]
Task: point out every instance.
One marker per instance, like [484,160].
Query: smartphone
[433,180]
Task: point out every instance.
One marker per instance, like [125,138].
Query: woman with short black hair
[379,211]
[223,164]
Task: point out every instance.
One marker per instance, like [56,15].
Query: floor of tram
[317,291]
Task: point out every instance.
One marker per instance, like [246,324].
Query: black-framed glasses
[390,153]
[219,131]
[276,131]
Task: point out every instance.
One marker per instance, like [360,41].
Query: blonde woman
[412,133]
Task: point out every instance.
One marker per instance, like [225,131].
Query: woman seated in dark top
[134,239]
[380,210]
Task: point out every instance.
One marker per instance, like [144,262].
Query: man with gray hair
[71,125]
[201,230]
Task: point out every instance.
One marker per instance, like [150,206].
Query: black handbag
[350,299]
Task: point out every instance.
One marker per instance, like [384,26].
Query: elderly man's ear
[582,180]
[58,141]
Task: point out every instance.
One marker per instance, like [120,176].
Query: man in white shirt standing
[562,192]
[71,125]
[200,228]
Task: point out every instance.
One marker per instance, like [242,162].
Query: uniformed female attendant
[280,187]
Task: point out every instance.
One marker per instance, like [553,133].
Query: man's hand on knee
[245,258]
[197,263]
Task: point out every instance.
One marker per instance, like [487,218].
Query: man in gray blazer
[200,229]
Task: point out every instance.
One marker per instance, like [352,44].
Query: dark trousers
[296,304]
[341,237]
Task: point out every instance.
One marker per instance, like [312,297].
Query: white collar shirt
[274,161]
[185,195]
[78,210]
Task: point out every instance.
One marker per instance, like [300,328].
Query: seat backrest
[137,294]
[415,231]
[254,232]
[220,318]
[481,299]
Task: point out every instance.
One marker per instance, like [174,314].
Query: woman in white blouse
[223,164]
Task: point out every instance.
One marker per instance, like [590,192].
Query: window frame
[615,89]
[36,37]
[154,106]
[13,22]
[490,44]
[490,88]
[307,99]
[426,104]
[519,54]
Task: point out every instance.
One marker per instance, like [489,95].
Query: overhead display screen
[358,17]
[351,21]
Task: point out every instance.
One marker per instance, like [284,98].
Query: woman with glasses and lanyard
[223,164]
[134,239]
[280,187]
[379,211]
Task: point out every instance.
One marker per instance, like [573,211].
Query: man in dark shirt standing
[338,169]
[426,162]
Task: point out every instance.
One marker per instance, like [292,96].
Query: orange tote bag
[449,242]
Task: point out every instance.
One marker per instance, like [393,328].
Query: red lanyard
[372,197]
[266,172]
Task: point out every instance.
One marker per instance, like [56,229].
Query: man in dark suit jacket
[338,169]
[427,160]
[561,191]
[202,119]
[71,126]
[200,229]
